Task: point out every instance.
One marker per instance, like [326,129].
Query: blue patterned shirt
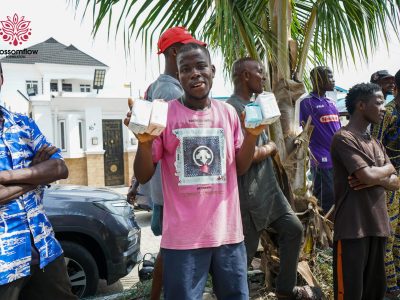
[20,139]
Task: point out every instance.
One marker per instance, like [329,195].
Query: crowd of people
[214,188]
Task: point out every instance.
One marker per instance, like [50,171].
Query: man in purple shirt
[325,118]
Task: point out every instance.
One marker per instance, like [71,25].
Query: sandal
[307,293]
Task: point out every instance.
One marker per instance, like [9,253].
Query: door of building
[114,152]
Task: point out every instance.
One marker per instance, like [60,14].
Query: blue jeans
[323,187]
[185,272]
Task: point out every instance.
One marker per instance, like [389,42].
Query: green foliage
[238,28]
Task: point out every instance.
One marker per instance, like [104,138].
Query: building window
[53,87]
[67,87]
[80,126]
[63,143]
[85,88]
[32,87]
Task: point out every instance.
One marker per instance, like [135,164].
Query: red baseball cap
[174,35]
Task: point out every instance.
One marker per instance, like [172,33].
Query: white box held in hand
[158,118]
[140,118]
[269,107]
[253,115]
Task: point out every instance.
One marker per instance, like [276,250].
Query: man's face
[195,74]
[387,85]
[374,108]
[256,77]
[328,81]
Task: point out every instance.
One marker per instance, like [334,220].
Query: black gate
[114,155]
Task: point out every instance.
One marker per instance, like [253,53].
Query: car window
[106,195]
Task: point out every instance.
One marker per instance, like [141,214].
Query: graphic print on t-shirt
[201,156]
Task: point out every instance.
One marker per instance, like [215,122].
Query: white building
[56,86]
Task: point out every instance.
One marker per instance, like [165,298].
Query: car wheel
[82,269]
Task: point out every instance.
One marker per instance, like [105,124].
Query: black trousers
[359,269]
[290,235]
[50,283]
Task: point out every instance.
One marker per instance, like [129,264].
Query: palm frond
[344,29]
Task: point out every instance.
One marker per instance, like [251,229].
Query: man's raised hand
[253,131]
[142,138]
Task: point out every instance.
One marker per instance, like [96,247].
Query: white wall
[44,119]
[15,76]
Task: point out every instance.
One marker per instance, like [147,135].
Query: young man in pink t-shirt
[202,151]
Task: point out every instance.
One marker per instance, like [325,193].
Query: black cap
[380,75]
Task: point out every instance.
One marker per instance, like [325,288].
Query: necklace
[183,102]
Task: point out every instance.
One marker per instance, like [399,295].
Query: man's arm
[371,176]
[391,183]
[8,193]
[245,155]
[13,191]
[264,151]
[143,165]
[41,173]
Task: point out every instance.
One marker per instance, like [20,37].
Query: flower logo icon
[15,31]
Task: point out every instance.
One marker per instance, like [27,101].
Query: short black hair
[360,92]
[238,65]
[193,46]
[397,80]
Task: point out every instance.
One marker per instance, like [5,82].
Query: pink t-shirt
[201,199]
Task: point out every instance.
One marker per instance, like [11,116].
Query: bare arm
[391,183]
[264,151]
[244,157]
[373,175]
[42,173]
[143,165]
[11,192]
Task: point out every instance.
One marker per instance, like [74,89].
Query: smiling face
[387,85]
[196,74]
[373,110]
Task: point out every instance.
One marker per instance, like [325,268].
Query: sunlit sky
[57,19]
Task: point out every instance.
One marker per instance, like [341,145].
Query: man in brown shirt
[362,172]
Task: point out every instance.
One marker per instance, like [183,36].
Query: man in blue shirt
[31,259]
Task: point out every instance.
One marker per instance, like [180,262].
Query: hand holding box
[253,115]
[148,117]
[269,108]
[158,118]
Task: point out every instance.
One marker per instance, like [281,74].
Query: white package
[253,116]
[269,107]
[158,118]
[140,118]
